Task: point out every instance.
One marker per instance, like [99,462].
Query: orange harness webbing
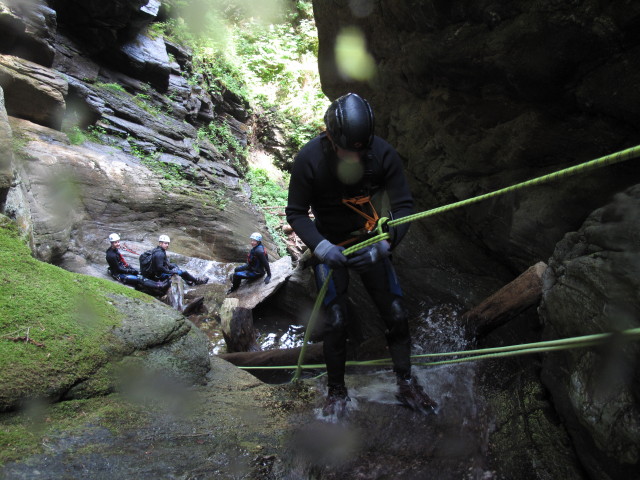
[357,204]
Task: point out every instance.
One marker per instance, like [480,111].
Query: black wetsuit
[315,183]
[162,269]
[119,268]
[256,266]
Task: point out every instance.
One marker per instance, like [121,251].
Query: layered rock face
[91,70]
[478,96]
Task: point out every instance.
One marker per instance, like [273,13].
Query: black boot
[336,401]
[412,395]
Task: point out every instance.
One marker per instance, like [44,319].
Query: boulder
[32,91]
[72,212]
[83,337]
[592,286]
[253,292]
[152,342]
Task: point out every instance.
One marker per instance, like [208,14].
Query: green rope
[485,353]
[611,159]
[312,319]
[614,158]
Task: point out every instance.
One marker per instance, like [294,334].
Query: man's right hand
[330,254]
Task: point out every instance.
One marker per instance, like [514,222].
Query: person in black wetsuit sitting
[119,269]
[256,266]
[161,269]
[340,175]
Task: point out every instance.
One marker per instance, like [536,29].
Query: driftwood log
[286,356]
[512,299]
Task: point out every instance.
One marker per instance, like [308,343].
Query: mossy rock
[62,333]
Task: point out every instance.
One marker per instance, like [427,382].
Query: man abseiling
[341,176]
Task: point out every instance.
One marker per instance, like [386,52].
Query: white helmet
[114,237]
[164,238]
[256,236]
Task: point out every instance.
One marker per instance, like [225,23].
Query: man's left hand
[368,256]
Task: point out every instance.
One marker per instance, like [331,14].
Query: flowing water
[381,439]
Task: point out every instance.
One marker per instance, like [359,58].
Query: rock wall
[592,286]
[478,96]
[482,95]
[137,164]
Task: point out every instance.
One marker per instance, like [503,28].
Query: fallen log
[286,356]
[512,299]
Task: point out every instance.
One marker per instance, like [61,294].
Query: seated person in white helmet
[161,269]
[256,266]
[118,266]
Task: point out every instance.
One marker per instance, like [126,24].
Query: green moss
[54,324]
[28,432]
[115,87]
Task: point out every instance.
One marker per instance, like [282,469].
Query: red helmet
[349,121]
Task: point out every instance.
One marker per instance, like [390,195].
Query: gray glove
[330,254]
[368,256]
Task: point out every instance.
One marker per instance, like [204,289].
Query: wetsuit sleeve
[263,261]
[400,199]
[299,202]
[112,260]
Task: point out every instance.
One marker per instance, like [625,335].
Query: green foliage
[174,178]
[261,54]
[142,100]
[61,321]
[280,62]
[18,143]
[266,192]
[115,87]
[76,135]
[221,136]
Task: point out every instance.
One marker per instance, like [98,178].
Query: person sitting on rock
[119,269]
[161,269]
[256,266]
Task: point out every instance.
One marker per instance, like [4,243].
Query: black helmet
[349,121]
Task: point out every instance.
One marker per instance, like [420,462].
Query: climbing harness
[382,233]
[358,205]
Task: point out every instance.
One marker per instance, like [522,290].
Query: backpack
[145,263]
